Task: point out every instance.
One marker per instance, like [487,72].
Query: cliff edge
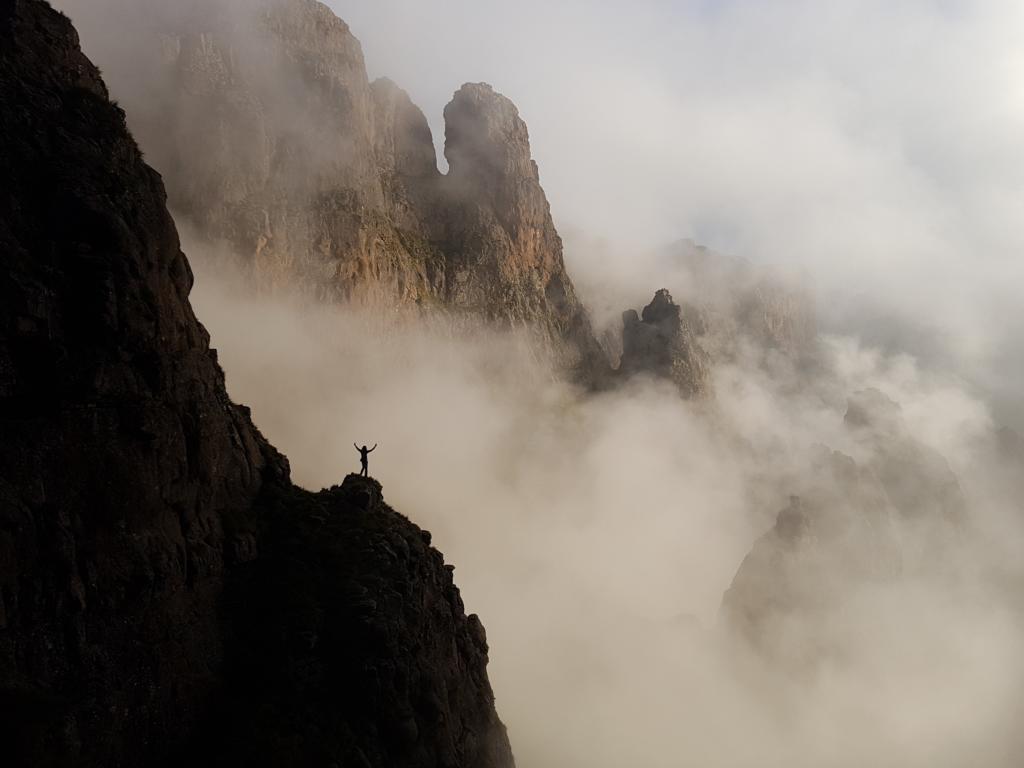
[166,594]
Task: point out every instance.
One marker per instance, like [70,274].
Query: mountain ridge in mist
[273,141]
[582,521]
[275,145]
[167,595]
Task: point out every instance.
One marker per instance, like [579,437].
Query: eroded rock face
[273,141]
[147,530]
[662,342]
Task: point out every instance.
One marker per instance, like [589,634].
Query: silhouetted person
[363,453]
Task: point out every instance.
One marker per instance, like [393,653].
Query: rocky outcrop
[273,141]
[730,311]
[898,511]
[836,537]
[504,254]
[350,644]
[164,590]
[662,342]
[740,308]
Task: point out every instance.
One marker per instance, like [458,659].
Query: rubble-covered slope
[158,572]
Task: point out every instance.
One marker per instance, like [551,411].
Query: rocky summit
[274,143]
[661,342]
[167,597]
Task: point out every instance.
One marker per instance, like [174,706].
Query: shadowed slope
[135,498]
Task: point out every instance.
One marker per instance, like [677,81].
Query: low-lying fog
[595,536]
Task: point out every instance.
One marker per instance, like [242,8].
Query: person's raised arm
[355,446]
[373,449]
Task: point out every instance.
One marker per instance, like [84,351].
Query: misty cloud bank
[596,535]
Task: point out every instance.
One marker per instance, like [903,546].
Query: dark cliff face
[164,590]
[121,457]
[273,140]
[729,311]
[350,645]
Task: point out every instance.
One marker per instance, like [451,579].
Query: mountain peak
[487,146]
[661,342]
[272,141]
